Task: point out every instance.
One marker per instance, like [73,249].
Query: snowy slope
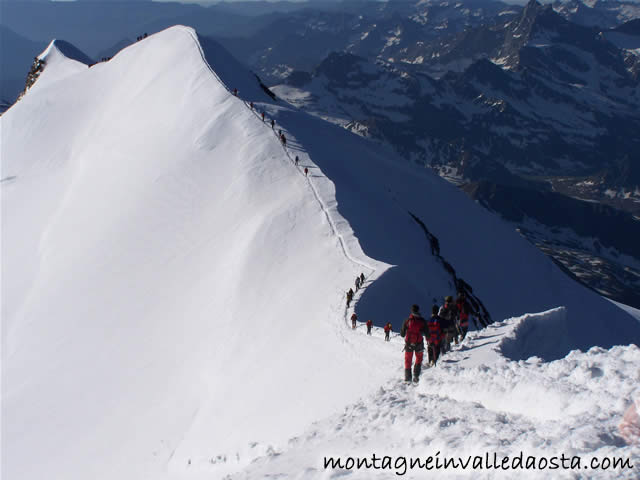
[478,401]
[150,277]
[173,295]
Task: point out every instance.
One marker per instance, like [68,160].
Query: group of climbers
[359,283]
[447,323]
[281,137]
[359,279]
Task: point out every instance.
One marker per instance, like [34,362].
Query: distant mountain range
[536,105]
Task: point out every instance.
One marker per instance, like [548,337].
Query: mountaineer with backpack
[448,317]
[464,309]
[369,325]
[449,313]
[349,297]
[412,331]
[435,335]
[387,331]
[354,317]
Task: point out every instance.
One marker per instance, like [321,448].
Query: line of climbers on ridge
[106,59]
[359,283]
[281,135]
[447,323]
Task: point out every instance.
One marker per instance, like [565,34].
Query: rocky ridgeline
[37,67]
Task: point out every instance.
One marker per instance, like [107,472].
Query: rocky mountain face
[473,84]
[554,98]
[408,33]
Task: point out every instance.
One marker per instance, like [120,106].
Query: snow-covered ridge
[172,271]
[60,50]
[62,59]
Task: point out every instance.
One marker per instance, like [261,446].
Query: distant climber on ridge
[349,297]
[387,331]
[412,331]
[369,325]
[354,318]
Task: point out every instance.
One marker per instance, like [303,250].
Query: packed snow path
[327,211]
[368,266]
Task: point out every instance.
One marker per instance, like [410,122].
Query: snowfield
[173,291]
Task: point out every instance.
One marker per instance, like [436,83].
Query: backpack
[435,330]
[415,327]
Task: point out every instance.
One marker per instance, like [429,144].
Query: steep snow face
[174,285]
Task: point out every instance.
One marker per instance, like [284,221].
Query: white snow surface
[477,401]
[173,289]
